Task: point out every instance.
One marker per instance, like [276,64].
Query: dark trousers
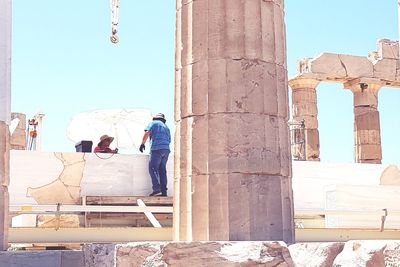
[158,170]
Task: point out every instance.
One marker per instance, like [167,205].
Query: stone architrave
[367,132]
[304,108]
[5,87]
[232,149]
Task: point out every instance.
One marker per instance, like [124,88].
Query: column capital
[301,82]
[360,85]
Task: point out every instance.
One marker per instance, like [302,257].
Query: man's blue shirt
[160,137]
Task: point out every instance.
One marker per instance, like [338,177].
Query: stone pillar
[398,17]
[232,149]
[18,137]
[367,132]
[5,87]
[304,108]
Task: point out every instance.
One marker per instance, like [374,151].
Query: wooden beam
[89,235]
[109,200]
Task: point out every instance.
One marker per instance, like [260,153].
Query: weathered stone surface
[4,181]
[4,154]
[18,137]
[99,255]
[4,217]
[388,49]
[368,253]
[385,69]
[392,254]
[304,109]
[341,66]
[53,258]
[315,254]
[231,115]
[203,254]
[72,258]
[363,75]
[367,137]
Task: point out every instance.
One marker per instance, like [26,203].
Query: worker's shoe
[163,194]
[155,193]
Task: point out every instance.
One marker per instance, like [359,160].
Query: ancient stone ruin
[364,76]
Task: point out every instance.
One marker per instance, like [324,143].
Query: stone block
[385,69]
[367,253]
[198,96]
[99,255]
[304,95]
[217,86]
[219,211]
[200,206]
[234,30]
[257,216]
[367,121]
[4,217]
[301,84]
[367,137]
[356,66]
[216,28]
[312,144]
[4,154]
[72,258]
[391,253]
[252,28]
[282,93]
[315,254]
[198,254]
[18,137]
[368,152]
[228,147]
[365,98]
[31,259]
[267,30]
[388,49]
[304,109]
[341,66]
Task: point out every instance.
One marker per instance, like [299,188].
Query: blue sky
[64,63]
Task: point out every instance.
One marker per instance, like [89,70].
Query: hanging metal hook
[114,5]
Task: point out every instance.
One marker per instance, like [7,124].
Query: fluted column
[367,130]
[5,87]
[304,108]
[232,150]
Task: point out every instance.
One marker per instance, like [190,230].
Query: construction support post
[5,114]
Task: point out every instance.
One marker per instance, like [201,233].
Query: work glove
[142,148]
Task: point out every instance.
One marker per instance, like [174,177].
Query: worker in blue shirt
[160,138]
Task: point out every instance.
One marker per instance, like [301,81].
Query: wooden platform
[120,201]
[107,219]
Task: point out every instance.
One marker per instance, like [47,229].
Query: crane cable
[114,5]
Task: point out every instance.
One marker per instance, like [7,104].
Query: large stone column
[367,131]
[304,108]
[5,87]
[232,151]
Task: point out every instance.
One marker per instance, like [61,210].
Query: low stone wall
[46,258]
[371,253]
